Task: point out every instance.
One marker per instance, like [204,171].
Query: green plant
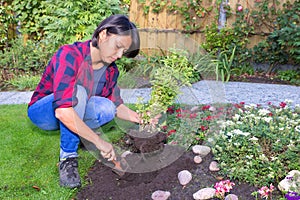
[228,40]
[29,14]
[126,79]
[292,76]
[224,65]
[282,44]
[259,142]
[238,71]
[166,82]
[70,21]
[24,82]
[186,126]
[30,57]
[63,22]
[7,21]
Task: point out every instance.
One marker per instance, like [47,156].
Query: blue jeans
[95,112]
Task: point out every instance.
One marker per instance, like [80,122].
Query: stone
[205,193]
[201,150]
[160,195]
[197,159]
[213,166]
[231,197]
[184,177]
[195,108]
[290,181]
[125,153]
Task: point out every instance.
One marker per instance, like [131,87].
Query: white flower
[263,157]
[236,144]
[288,101]
[295,115]
[297,128]
[273,158]
[251,116]
[230,134]
[236,117]
[263,112]
[254,139]
[267,119]
[252,105]
[248,107]
[239,132]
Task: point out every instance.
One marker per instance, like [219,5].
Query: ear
[103,35]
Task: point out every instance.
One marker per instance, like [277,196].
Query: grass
[24,82]
[29,157]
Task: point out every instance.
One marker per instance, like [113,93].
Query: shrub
[166,81]
[63,21]
[29,57]
[282,45]
[7,21]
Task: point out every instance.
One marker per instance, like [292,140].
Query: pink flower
[206,107]
[282,104]
[178,110]
[240,8]
[179,115]
[171,132]
[193,115]
[164,128]
[203,128]
[208,118]
[170,110]
[238,105]
[265,192]
[270,114]
[222,187]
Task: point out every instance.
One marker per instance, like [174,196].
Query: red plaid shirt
[69,66]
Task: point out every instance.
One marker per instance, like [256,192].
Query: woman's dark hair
[119,25]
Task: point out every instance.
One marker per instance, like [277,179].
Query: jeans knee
[99,111]
[82,98]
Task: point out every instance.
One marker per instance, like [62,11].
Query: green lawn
[29,156]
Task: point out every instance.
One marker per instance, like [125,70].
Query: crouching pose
[78,92]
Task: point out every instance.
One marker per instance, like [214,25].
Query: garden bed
[105,184]
[243,156]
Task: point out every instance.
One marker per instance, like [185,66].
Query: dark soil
[150,173]
[259,78]
[153,143]
[105,184]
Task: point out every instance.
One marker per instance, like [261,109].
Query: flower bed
[255,144]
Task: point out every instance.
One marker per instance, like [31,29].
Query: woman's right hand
[106,150]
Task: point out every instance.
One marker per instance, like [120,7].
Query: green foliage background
[63,22]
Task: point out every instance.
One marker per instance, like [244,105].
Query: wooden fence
[164,30]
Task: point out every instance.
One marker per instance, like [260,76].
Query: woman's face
[112,46]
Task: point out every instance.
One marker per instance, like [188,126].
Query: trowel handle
[117,164]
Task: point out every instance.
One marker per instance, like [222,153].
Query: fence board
[162,30]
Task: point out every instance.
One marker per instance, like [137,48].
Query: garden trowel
[119,166]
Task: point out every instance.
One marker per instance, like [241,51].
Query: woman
[78,92]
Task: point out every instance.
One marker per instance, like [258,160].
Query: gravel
[203,92]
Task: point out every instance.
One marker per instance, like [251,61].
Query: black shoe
[68,173]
